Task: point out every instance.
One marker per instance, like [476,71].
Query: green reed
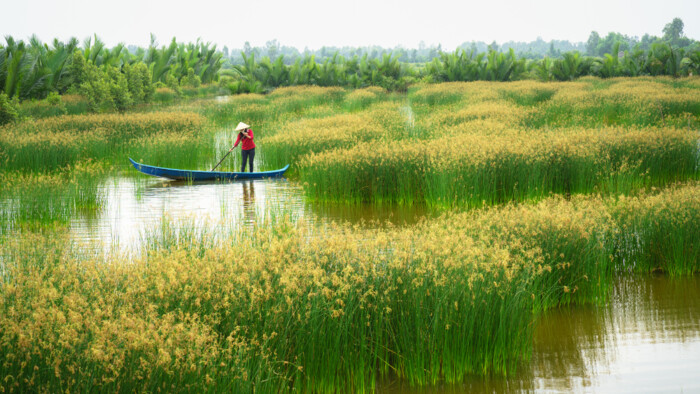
[281,307]
[55,143]
[474,170]
[659,232]
[40,199]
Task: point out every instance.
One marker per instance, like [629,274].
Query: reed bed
[300,137]
[660,232]
[361,99]
[588,102]
[306,136]
[289,308]
[38,199]
[53,143]
[296,99]
[474,170]
[286,307]
[482,143]
[249,107]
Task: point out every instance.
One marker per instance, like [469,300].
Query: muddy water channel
[646,338]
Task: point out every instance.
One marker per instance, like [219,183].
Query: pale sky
[315,23]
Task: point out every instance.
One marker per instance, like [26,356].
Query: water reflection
[134,206]
[645,339]
[249,216]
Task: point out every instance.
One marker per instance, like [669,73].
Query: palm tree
[633,63]
[13,61]
[160,61]
[543,69]
[609,65]
[276,73]
[503,67]
[331,72]
[570,67]
[209,63]
[22,73]
[92,51]
[303,72]
[690,65]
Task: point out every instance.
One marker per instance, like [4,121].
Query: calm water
[645,339]
[135,206]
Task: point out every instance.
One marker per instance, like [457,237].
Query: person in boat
[245,138]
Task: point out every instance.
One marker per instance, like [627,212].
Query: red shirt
[246,143]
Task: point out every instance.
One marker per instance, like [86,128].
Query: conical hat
[242,126]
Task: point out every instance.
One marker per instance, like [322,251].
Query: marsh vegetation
[545,193]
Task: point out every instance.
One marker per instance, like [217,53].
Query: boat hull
[192,175]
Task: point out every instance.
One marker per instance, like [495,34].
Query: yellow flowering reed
[53,143]
[287,307]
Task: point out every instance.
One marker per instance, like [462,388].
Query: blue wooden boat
[191,175]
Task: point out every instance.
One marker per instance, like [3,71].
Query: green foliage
[191,80]
[243,86]
[96,89]
[673,31]
[139,81]
[31,70]
[54,99]
[459,66]
[609,65]
[276,72]
[468,66]
[572,66]
[78,69]
[176,60]
[108,88]
[690,65]
[119,89]
[661,232]
[8,109]
[633,63]
[542,69]
[386,72]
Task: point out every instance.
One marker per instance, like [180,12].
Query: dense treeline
[596,45]
[388,72]
[256,76]
[109,78]
[615,55]
[660,59]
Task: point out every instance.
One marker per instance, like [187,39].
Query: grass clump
[39,199]
[659,232]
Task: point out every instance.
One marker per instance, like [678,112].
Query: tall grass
[54,143]
[299,138]
[659,232]
[285,307]
[487,143]
[65,105]
[472,169]
[40,199]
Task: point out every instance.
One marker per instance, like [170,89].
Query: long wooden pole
[222,160]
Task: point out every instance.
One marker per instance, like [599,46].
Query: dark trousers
[248,155]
